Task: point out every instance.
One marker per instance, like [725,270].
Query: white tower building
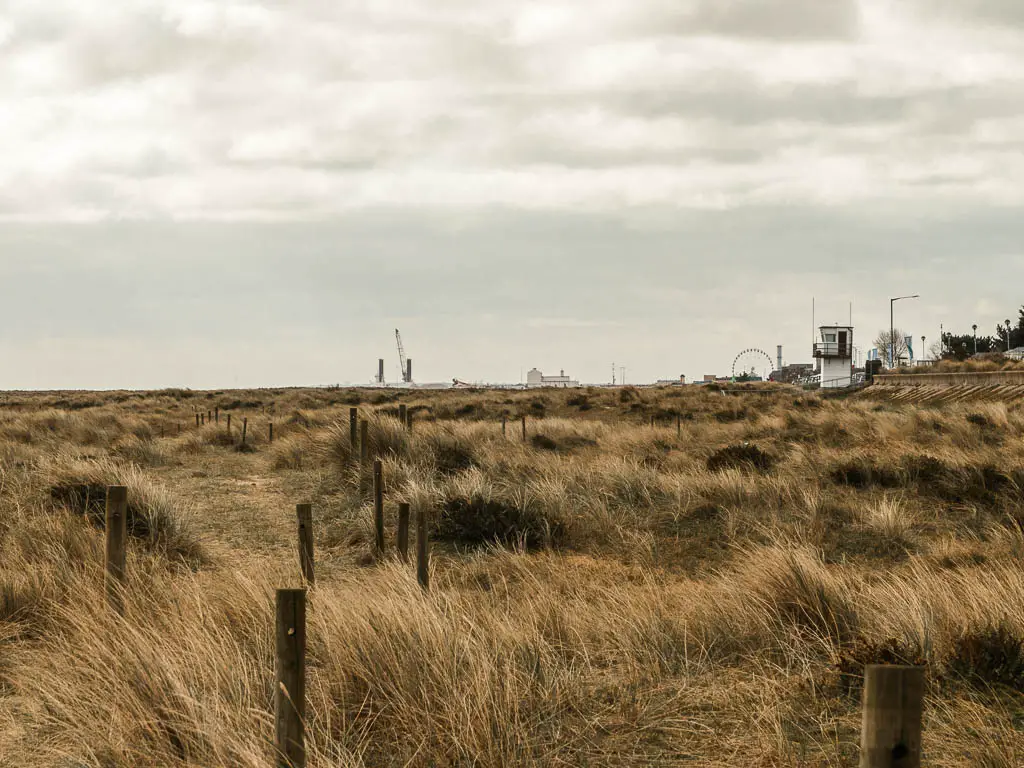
[835,351]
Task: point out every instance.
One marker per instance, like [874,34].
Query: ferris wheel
[752,363]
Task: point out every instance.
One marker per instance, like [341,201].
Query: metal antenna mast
[401,357]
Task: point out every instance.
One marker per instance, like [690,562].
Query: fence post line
[245,428]
[116,541]
[364,441]
[893,709]
[422,549]
[290,692]
[353,428]
[403,531]
[304,512]
[378,506]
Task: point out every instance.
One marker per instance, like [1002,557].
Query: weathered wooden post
[202,419]
[504,419]
[378,506]
[304,512]
[271,431]
[893,713]
[353,428]
[422,549]
[245,428]
[403,531]
[408,420]
[652,421]
[290,693]
[209,417]
[403,415]
[216,414]
[679,425]
[364,441]
[197,419]
[524,429]
[229,423]
[179,427]
[117,545]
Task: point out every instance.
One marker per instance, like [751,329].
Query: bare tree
[896,343]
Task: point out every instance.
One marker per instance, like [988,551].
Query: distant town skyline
[256,194]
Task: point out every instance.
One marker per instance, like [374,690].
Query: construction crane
[406,368]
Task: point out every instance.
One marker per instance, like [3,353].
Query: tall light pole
[923,348]
[892,328]
[1007,334]
[975,329]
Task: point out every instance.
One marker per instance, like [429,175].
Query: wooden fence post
[197,419]
[290,692]
[408,420]
[229,423]
[304,512]
[893,709]
[271,431]
[364,441]
[422,549]
[209,417]
[524,429]
[216,414]
[245,428]
[378,506]
[679,425]
[353,428]
[403,531]
[504,419]
[117,545]
[202,419]
[403,415]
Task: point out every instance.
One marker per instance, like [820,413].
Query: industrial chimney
[380,371]
[408,371]
[779,367]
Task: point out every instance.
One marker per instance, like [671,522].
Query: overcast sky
[213,194]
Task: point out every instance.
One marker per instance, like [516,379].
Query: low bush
[741,456]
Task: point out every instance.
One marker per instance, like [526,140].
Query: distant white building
[1017,353]
[835,355]
[535,378]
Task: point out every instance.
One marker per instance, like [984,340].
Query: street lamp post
[975,329]
[892,328]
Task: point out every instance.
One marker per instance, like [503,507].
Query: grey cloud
[785,20]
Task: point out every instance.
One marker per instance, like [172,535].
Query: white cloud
[219,109]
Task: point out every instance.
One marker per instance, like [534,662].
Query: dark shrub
[741,456]
[538,407]
[856,657]
[465,410]
[544,443]
[579,401]
[477,522]
[628,394]
[863,474]
[991,655]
